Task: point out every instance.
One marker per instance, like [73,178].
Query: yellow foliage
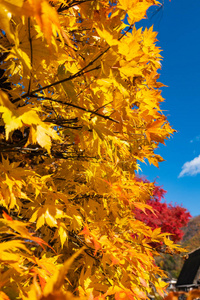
[79,109]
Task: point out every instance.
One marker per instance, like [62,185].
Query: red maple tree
[170,218]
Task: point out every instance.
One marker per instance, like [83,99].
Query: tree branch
[79,107]
[79,73]
[31,50]
[73,3]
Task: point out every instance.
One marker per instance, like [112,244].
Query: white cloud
[191,168]
[196,139]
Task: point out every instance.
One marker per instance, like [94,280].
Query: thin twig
[31,50]
[79,107]
[74,3]
[61,121]
[79,73]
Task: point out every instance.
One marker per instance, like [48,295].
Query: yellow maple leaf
[41,10]
[18,118]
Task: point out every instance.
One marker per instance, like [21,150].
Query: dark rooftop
[189,274]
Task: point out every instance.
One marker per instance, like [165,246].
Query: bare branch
[31,50]
[79,107]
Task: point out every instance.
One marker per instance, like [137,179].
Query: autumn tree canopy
[80,108]
[170,218]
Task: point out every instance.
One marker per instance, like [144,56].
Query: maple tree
[80,107]
[170,218]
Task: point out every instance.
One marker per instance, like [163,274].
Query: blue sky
[178,27]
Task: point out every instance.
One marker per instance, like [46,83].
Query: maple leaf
[26,117]
[41,10]
[3,296]
[55,283]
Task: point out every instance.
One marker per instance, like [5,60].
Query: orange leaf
[3,296]
[85,231]
[6,216]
